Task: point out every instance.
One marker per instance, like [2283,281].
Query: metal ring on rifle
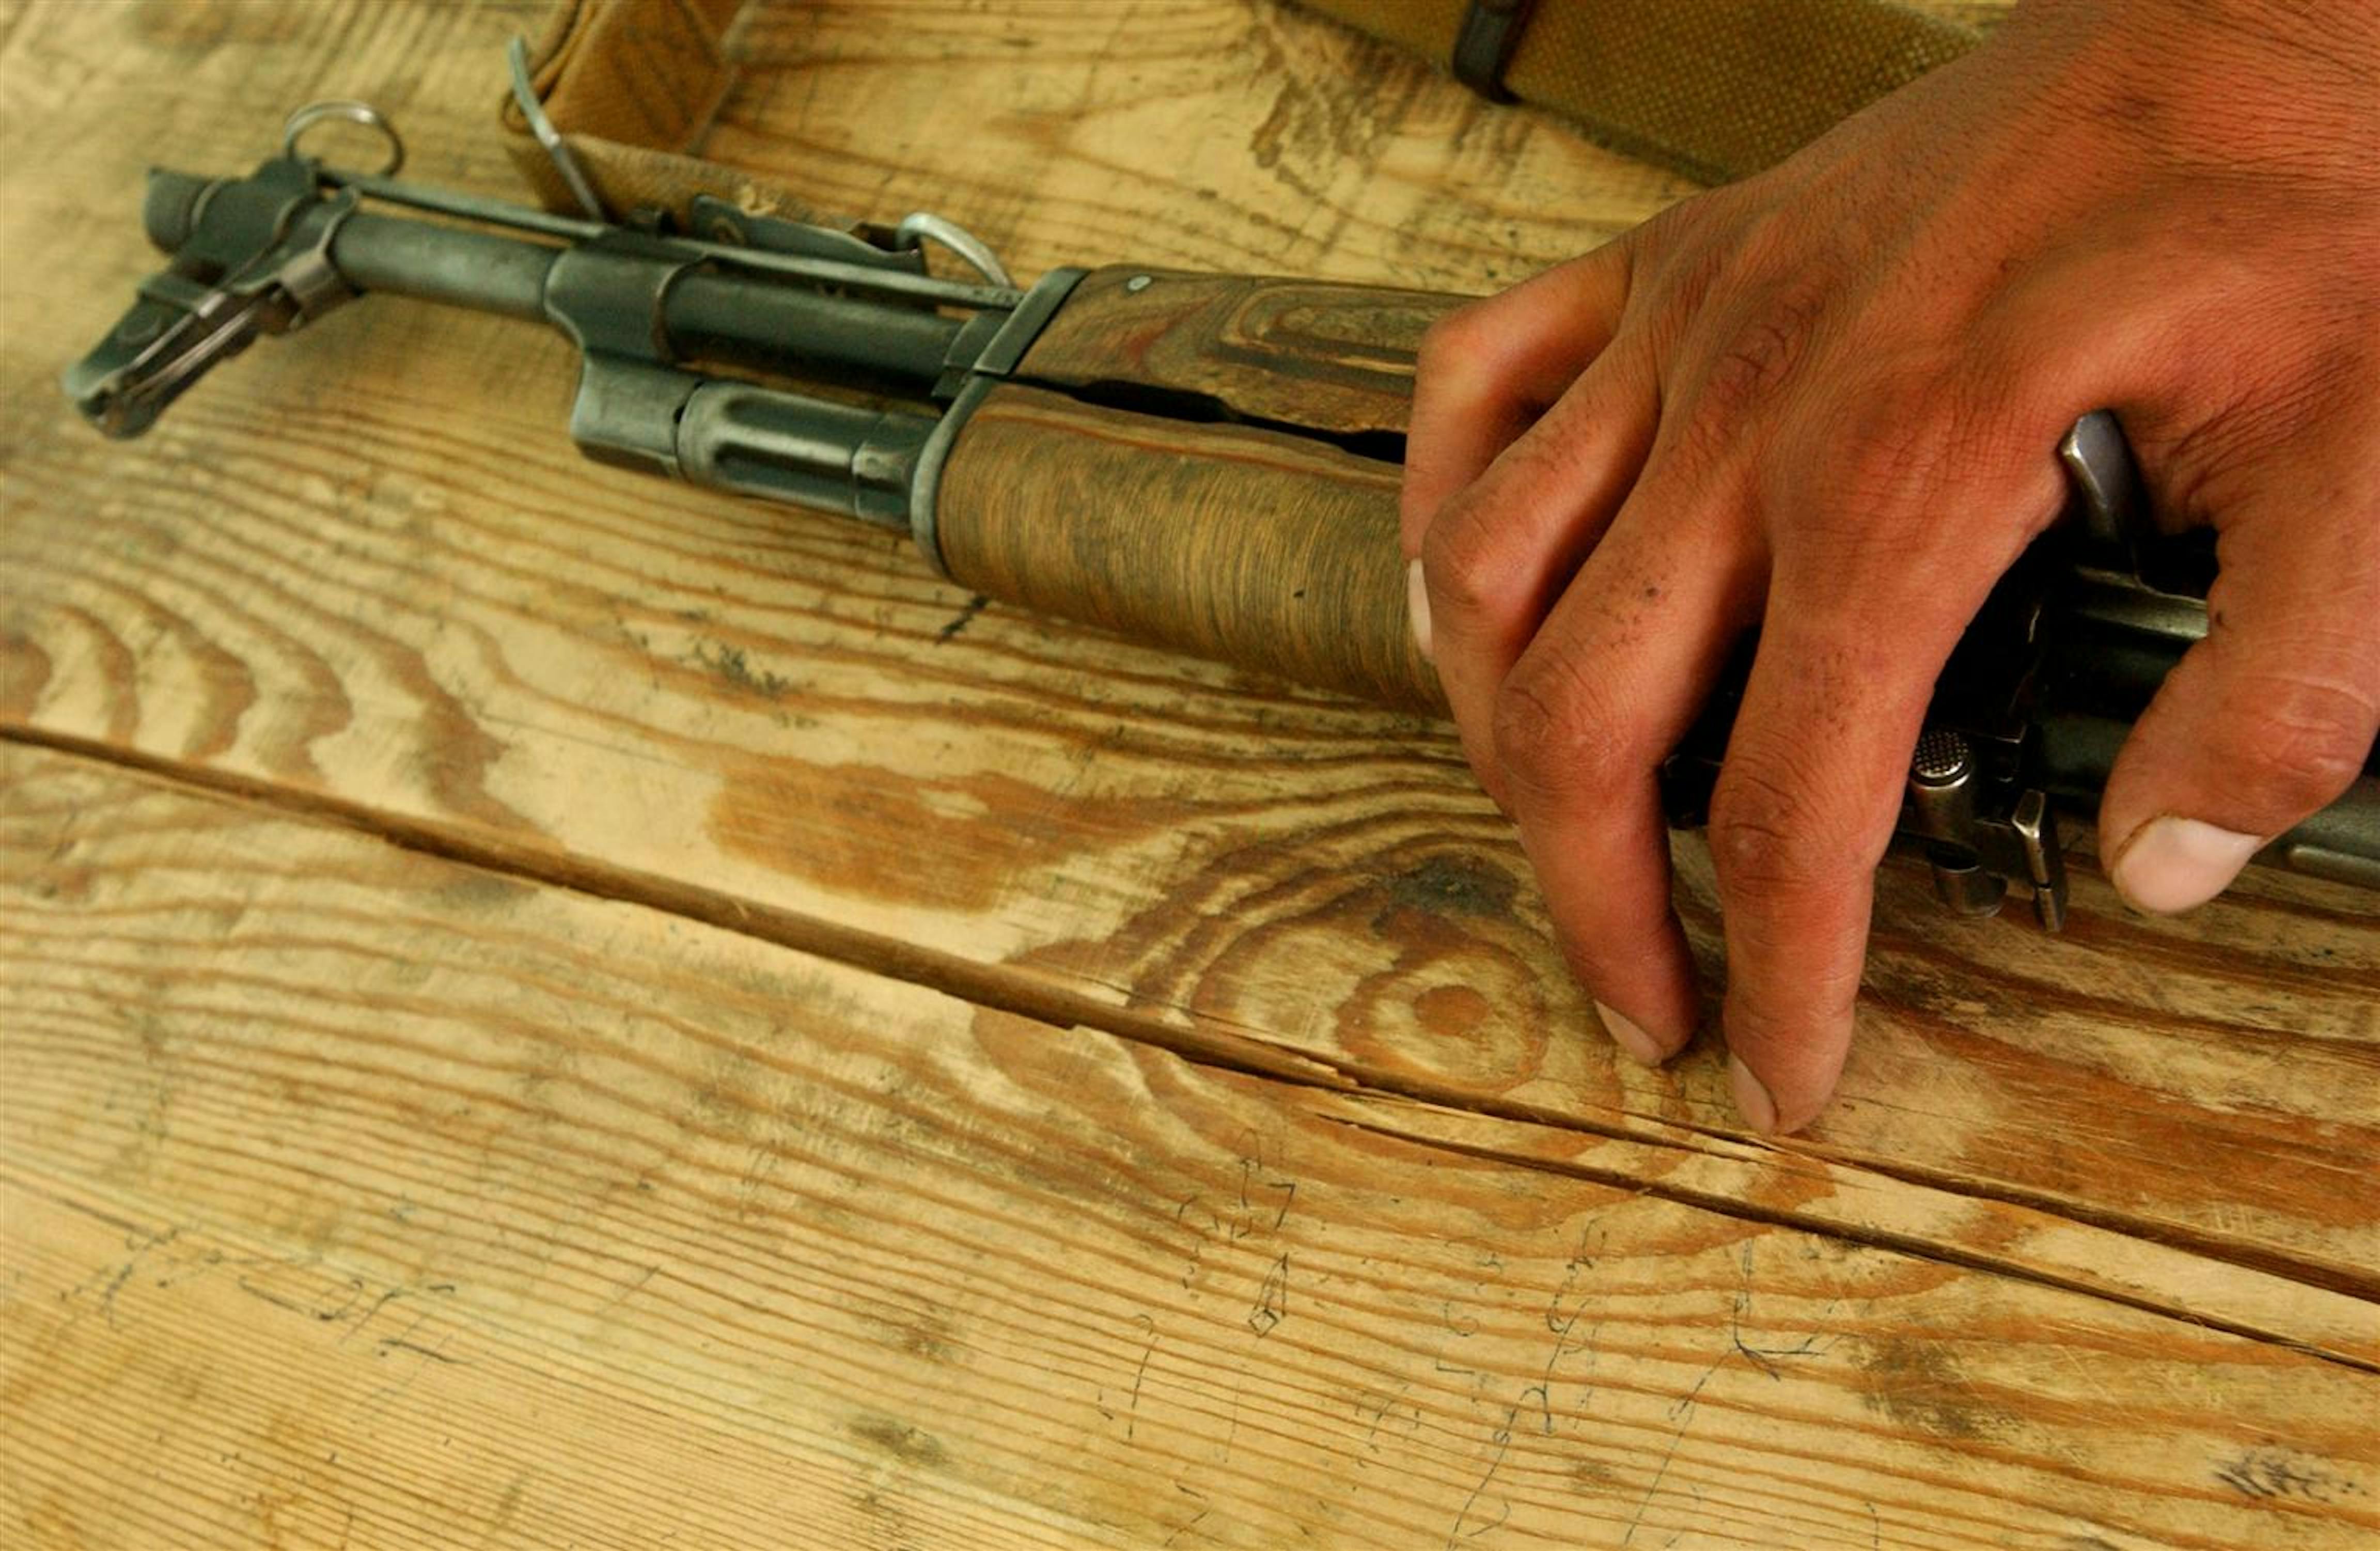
[346,110]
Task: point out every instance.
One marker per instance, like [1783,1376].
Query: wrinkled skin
[1825,402]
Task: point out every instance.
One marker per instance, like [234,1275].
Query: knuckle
[1493,575]
[1462,558]
[1692,252]
[1765,835]
[1764,350]
[1771,238]
[1453,344]
[1893,455]
[1550,732]
[1896,438]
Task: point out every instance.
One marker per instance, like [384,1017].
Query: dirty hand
[1824,403]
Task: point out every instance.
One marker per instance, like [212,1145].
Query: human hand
[1825,402]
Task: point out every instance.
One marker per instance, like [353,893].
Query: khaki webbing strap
[1484,45]
[1713,88]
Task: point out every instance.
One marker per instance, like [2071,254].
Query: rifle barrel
[710,311]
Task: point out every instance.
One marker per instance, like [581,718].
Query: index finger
[1487,370]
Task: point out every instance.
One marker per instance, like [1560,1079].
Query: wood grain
[367,565]
[1204,134]
[1330,359]
[361,575]
[1277,552]
[340,1176]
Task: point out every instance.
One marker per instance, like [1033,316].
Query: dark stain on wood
[911,1446]
[1919,1385]
[2267,1474]
[1455,886]
[889,833]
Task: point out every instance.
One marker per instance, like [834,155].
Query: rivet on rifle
[1137,282]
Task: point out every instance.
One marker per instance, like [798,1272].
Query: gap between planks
[1202,1043]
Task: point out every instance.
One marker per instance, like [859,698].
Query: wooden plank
[1692,1165]
[172,1385]
[363,568]
[1204,134]
[351,1189]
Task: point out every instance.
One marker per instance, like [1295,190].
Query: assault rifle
[1204,462]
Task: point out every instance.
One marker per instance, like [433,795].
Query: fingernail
[2173,864]
[1752,1100]
[1630,1036]
[1417,608]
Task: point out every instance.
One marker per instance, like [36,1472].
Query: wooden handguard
[1242,506]
[1247,546]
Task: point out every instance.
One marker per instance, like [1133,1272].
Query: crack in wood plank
[1902,1244]
[1206,1043]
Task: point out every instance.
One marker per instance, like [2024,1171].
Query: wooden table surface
[544,1009]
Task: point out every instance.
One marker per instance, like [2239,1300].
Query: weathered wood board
[2107,1191]
[377,1188]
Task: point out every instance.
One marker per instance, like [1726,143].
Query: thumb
[2270,717]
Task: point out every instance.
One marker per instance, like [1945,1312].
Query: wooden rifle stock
[1247,546]
[1204,462]
[1208,462]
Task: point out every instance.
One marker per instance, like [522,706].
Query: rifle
[1208,463]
